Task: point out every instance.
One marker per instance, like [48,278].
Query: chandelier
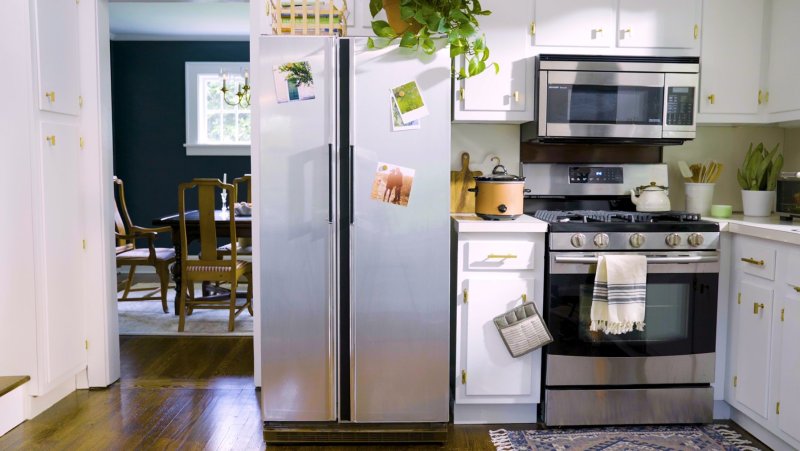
[242,91]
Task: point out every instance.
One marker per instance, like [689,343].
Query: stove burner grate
[585,216]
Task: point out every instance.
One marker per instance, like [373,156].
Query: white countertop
[469,222]
[768,227]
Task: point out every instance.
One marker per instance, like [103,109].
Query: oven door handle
[650,260]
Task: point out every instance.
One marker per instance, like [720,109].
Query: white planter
[758,203]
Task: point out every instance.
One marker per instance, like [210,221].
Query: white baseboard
[494,413]
[760,432]
[34,405]
[12,409]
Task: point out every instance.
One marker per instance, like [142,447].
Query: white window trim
[193,148]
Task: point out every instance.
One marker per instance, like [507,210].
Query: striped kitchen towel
[620,288]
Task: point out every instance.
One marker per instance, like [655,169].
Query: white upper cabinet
[508,95]
[57,56]
[659,24]
[784,66]
[574,23]
[731,57]
[359,20]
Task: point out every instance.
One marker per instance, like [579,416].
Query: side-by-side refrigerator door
[297,78]
[400,236]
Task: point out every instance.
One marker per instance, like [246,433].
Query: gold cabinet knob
[757,306]
[51,95]
[711,98]
[51,139]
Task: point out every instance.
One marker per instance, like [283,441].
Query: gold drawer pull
[753,261]
[757,306]
[503,256]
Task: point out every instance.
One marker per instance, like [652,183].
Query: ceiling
[179,20]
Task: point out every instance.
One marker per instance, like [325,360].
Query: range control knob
[673,240]
[636,240]
[601,240]
[695,239]
[578,240]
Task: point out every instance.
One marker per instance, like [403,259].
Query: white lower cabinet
[498,266]
[763,335]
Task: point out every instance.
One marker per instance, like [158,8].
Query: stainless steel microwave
[651,100]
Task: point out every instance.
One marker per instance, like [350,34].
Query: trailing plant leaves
[375,6]
[370,43]
[409,40]
[383,29]
[406,13]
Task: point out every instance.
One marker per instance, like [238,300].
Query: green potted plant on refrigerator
[758,178]
[420,23]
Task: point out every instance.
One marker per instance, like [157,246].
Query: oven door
[582,104]
[677,345]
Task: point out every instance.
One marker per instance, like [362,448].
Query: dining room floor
[186,393]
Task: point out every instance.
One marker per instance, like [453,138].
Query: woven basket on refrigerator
[309,17]
[523,329]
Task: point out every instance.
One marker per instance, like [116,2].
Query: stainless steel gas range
[659,375]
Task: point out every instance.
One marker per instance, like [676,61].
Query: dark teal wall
[149,122]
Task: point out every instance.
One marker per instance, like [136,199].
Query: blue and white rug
[641,438]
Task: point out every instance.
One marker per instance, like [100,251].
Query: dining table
[244,229]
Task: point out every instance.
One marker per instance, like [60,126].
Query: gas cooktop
[624,221]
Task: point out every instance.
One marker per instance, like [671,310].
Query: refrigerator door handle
[330,183]
[350,185]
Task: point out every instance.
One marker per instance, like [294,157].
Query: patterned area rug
[661,438]
[147,318]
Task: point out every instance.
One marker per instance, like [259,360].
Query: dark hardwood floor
[181,393]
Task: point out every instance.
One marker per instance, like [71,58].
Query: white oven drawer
[757,258]
[500,255]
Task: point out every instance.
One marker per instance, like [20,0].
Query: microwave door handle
[650,260]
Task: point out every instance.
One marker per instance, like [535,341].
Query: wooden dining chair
[245,245]
[128,254]
[211,266]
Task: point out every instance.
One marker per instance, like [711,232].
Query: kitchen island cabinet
[497,266]
[763,323]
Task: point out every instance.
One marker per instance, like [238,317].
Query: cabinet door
[731,56]
[574,23]
[753,342]
[789,395]
[57,56]
[659,24]
[60,325]
[359,19]
[507,95]
[784,65]
[490,369]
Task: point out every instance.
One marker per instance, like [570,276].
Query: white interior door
[574,23]
[753,344]
[57,56]
[60,306]
[490,369]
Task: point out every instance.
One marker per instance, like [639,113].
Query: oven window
[680,317]
[666,316]
[600,104]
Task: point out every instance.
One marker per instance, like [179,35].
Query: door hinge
[783,314]
[82,142]
[778,409]
[466,295]
[735,381]
[533,28]
[760,97]
[84,244]
[739,298]
[463,377]
[696,31]
[460,93]
[80,101]
[86,344]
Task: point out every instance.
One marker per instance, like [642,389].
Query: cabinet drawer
[494,255]
[757,259]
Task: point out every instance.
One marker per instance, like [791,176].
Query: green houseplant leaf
[455,21]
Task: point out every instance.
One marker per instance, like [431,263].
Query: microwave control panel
[587,174]
[680,105]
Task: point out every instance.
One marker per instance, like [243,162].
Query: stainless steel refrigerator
[355,277]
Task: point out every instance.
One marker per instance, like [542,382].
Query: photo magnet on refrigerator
[392,184]
[409,102]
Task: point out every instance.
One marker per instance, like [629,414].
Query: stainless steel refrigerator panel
[400,253]
[297,304]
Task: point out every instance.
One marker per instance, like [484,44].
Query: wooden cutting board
[461,200]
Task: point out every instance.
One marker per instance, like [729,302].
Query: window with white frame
[213,125]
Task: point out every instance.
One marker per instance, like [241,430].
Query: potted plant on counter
[418,23]
[758,178]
